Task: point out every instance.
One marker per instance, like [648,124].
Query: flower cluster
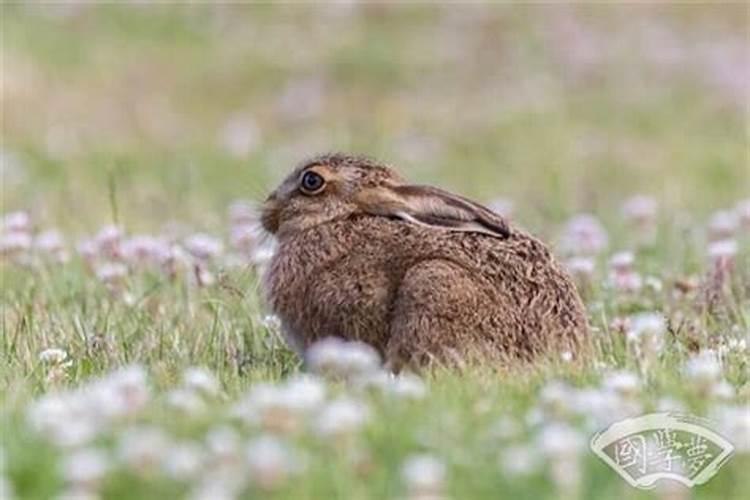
[255,443]
[21,242]
[584,239]
[115,257]
[77,417]
[269,435]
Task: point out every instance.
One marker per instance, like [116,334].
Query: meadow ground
[136,359]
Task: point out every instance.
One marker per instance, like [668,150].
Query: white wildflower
[669,404]
[270,462]
[56,364]
[723,225]
[271,322]
[263,254]
[623,383]
[601,407]
[647,324]
[74,418]
[241,213]
[640,209]
[282,407]
[506,428]
[703,370]
[626,282]
[519,460]
[16,222]
[144,249]
[88,250]
[304,393]
[341,359]
[85,467]
[64,419]
[558,440]
[622,262]
[584,235]
[407,386]
[653,283]
[734,423]
[188,401]
[107,241]
[556,398]
[562,444]
[645,332]
[143,448]
[203,247]
[124,392]
[13,244]
[177,262]
[732,346]
[722,250]
[213,489]
[582,268]
[402,386]
[183,461]
[111,272]
[723,391]
[244,238]
[342,417]
[53,356]
[535,417]
[201,380]
[423,475]
[223,445]
[51,242]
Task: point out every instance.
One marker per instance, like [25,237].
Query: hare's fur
[419,293]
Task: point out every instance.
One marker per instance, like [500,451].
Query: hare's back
[518,273]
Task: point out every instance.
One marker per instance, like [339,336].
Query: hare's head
[335,187]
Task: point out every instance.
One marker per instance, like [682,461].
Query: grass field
[136,358]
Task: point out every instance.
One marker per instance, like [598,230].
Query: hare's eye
[312,183]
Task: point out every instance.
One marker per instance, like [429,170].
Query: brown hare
[419,273]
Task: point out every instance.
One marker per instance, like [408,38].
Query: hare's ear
[429,206]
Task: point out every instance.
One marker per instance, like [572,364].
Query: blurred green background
[151,113]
